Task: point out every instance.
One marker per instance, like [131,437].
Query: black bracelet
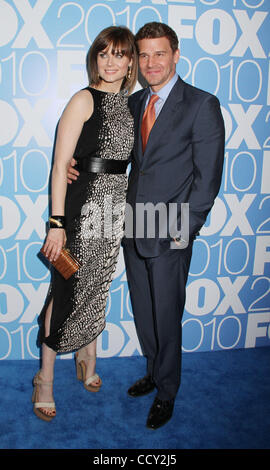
[57,221]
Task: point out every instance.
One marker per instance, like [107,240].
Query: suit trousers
[157,288]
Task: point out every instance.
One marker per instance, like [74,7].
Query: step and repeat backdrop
[224,50]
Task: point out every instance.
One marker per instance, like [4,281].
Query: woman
[97,129]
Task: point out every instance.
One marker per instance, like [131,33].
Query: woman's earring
[128,76]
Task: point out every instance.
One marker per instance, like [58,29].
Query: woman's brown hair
[121,39]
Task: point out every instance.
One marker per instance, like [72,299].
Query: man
[181,162]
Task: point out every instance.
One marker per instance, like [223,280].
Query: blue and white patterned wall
[224,50]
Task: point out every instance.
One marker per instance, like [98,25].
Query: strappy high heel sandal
[41,407]
[88,382]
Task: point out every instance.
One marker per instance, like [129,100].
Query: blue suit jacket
[182,163]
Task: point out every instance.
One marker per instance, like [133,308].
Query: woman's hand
[55,241]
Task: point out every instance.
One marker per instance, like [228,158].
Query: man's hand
[72,174]
[179,243]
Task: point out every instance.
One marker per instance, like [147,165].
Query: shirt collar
[163,93]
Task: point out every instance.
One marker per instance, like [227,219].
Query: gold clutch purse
[66,264]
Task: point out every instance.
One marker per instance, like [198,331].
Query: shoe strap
[91,379]
[39,381]
[44,404]
[84,356]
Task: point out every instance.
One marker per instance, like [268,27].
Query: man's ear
[176,56]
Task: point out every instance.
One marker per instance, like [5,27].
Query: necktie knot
[148,119]
[153,100]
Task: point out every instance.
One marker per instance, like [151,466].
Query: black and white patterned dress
[94,209]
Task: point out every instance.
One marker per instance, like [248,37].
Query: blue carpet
[223,403]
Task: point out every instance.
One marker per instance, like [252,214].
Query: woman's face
[112,67]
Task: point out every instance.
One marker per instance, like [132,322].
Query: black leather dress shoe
[160,413]
[142,387]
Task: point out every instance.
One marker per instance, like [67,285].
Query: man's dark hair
[155,30]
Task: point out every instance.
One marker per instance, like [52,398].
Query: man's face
[157,61]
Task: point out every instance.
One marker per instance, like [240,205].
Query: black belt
[101,165]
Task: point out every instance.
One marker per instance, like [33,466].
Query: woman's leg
[47,367]
[88,354]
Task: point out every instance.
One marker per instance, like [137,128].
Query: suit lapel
[164,119]
[138,114]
